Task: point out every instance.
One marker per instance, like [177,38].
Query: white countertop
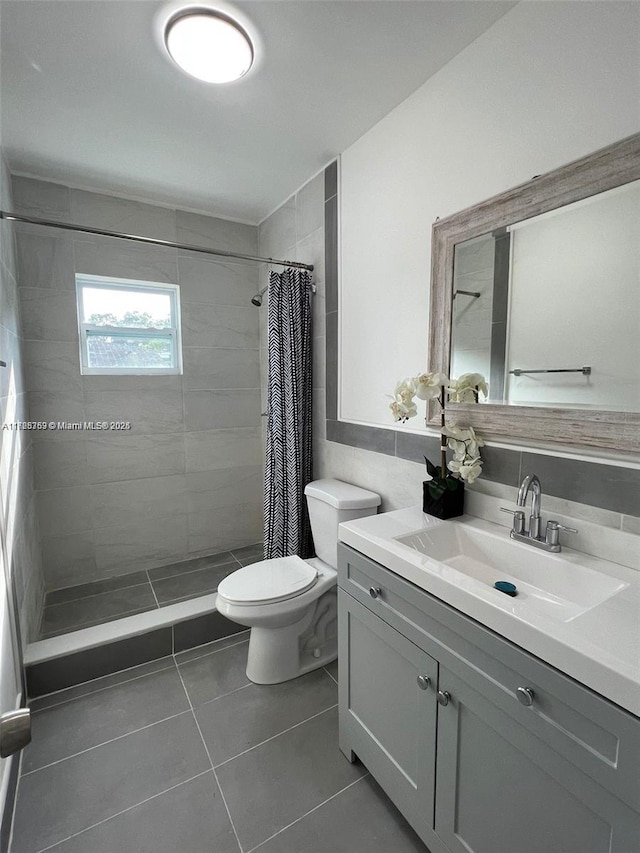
[599,648]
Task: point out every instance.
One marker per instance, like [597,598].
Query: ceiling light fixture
[209,45]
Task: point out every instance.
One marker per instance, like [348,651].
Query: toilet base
[275,655]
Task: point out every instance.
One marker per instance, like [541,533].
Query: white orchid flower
[465,388]
[463,441]
[405,391]
[468,470]
[429,385]
[457,433]
[459,449]
[475,437]
[474,443]
[402,411]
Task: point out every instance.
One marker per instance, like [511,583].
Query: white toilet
[290,604]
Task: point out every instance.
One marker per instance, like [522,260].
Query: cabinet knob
[525,696]
[423,682]
[444,697]
[375,591]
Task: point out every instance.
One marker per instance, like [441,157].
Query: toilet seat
[268,581]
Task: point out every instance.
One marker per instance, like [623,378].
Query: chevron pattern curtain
[288,464]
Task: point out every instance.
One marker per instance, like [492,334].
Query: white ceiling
[89,98]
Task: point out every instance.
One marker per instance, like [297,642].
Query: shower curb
[80,656]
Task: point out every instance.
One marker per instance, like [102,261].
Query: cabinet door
[388,709]
[501,790]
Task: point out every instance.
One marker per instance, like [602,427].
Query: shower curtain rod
[15,217]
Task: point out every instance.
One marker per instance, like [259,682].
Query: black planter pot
[448,504]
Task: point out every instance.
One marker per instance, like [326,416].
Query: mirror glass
[548,309]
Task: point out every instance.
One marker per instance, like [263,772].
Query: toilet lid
[268,581]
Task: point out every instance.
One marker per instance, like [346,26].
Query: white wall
[575,300]
[548,83]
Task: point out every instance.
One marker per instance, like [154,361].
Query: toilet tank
[331,502]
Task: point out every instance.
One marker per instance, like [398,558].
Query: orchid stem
[443,441]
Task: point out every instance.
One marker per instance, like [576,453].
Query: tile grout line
[155,597]
[311,811]
[213,652]
[113,618]
[104,743]
[215,775]
[102,689]
[183,598]
[224,695]
[329,674]
[15,802]
[124,811]
[95,594]
[190,571]
[273,737]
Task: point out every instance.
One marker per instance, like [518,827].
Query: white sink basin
[574,610]
[547,583]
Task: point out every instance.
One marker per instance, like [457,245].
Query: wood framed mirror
[560,345]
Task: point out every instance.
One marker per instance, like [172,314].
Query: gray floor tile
[250,553]
[249,561]
[216,674]
[379,827]
[190,566]
[72,593]
[134,672]
[215,646]
[332,669]
[285,777]
[188,819]
[99,717]
[233,723]
[65,798]
[192,584]
[96,609]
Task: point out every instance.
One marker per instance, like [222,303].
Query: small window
[128,326]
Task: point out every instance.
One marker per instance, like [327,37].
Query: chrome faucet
[531,484]
[551,539]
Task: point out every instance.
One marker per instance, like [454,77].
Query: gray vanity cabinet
[471,768]
[387,706]
[500,791]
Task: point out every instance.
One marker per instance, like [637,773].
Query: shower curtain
[288,464]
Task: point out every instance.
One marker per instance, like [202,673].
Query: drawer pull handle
[525,696]
[444,697]
[423,682]
[375,591]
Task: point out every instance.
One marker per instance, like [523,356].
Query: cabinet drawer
[597,736]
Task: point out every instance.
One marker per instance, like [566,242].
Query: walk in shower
[141,519]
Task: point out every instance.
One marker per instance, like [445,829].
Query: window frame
[85,330]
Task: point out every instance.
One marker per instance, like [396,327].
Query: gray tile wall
[390,461]
[18,516]
[187,479]
[295,232]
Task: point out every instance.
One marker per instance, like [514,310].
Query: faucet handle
[555,525]
[518,518]
[553,531]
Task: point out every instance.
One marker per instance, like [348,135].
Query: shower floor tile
[191,584]
[88,604]
[182,755]
[96,609]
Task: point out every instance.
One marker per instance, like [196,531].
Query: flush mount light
[208,45]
